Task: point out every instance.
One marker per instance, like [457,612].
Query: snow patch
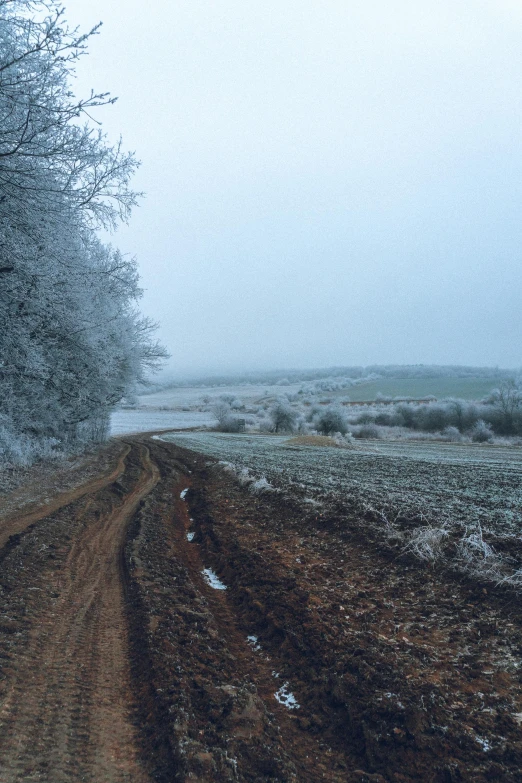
[213,579]
[285,697]
[484,742]
[254,643]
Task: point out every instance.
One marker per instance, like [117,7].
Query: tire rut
[14,524]
[213,693]
[67,713]
[313,761]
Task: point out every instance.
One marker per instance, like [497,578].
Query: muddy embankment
[166,624]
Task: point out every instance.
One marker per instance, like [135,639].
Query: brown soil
[119,662]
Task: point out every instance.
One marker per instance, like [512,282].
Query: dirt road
[161,623]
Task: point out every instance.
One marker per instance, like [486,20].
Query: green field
[466,388]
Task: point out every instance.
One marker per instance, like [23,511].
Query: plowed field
[163,623]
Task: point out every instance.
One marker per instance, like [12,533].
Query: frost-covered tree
[507,403]
[72,343]
[283,417]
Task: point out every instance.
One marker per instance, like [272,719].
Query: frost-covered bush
[313,412]
[23,450]
[345,440]
[265,425]
[476,555]
[330,420]
[366,431]
[481,432]
[384,418]
[366,417]
[427,542]
[232,424]
[451,434]
[245,478]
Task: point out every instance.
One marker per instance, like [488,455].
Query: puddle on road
[213,579]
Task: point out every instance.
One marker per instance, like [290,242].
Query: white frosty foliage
[72,344]
[246,479]
[477,555]
[427,542]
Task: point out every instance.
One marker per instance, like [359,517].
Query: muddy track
[16,523]
[65,707]
[122,658]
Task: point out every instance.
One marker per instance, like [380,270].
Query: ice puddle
[183,493]
[190,536]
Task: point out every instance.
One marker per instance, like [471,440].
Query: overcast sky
[327,183]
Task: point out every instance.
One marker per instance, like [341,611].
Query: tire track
[211,695]
[312,760]
[67,715]
[14,524]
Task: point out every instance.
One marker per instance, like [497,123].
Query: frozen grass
[477,557]
[246,479]
[441,502]
[427,543]
[440,483]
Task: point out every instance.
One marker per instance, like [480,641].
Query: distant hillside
[417,380]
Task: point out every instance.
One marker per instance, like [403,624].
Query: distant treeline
[351,374]
[500,413]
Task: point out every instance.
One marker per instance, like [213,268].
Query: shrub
[232,424]
[365,418]
[451,434]
[330,420]
[481,432]
[427,542]
[369,431]
[476,555]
